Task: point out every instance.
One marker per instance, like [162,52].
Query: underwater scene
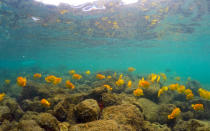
[104,65]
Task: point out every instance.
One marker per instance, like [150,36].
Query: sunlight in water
[78,2]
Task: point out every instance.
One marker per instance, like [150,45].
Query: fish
[62,12]
[109,77]
[144,83]
[138,92]
[35,18]
[181,89]
[71,72]
[119,82]
[177,78]
[87,72]
[69,85]
[76,76]
[2,96]
[7,82]
[173,87]
[131,69]
[175,113]
[190,96]
[163,75]
[197,107]
[108,87]
[129,84]
[37,75]
[100,76]
[21,81]
[204,93]
[53,79]
[45,103]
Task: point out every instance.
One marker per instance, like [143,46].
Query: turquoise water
[178,44]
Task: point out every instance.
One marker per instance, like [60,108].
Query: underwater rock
[151,92]
[164,111]
[47,121]
[15,110]
[64,126]
[87,110]
[35,105]
[125,114]
[30,115]
[71,118]
[60,111]
[97,93]
[192,125]
[194,86]
[5,113]
[7,125]
[147,126]
[99,125]
[111,99]
[187,115]
[29,125]
[150,109]
[202,115]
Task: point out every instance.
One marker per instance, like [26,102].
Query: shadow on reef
[92,107]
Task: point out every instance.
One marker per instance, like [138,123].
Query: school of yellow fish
[143,83]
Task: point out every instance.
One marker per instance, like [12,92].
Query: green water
[177,44]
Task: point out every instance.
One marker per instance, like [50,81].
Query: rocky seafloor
[92,107]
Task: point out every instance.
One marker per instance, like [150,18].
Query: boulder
[87,110]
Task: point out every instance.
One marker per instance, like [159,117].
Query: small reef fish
[173,87]
[71,72]
[69,85]
[187,92]
[44,102]
[176,112]
[63,12]
[144,83]
[87,72]
[177,78]
[197,107]
[190,96]
[181,89]
[21,81]
[204,93]
[189,78]
[109,77]
[76,76]
[100,76]
[52,79]
[7,82]
[152,77]
[108,87]
[162,90]
[120,82]
[138,92]
[2,96]
[115,74]
[37,75]
[129,84]
[163,75]
[131,69]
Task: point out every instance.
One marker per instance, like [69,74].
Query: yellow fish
[197,107]
[63,12]
[21,81]
[69,85]
[87,72]
[76,76]
[131,69]
[2,96]
[45,102]
[138,92]
[176,112]
[108,87]
[71,72]
[129,84]
[7,82]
